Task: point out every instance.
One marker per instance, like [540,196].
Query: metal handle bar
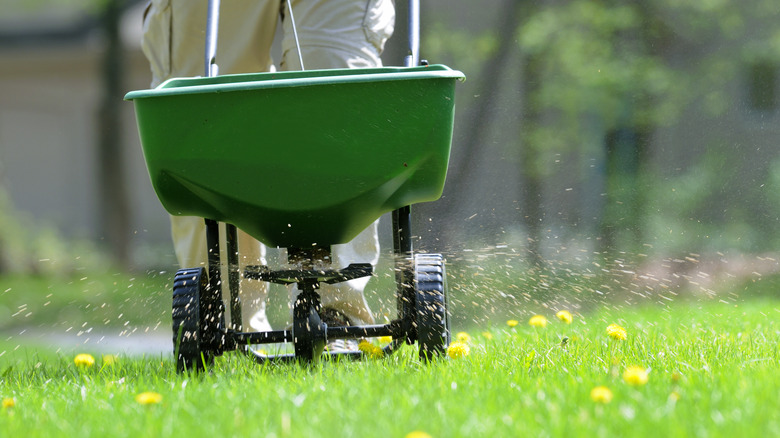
[212,25]
[413,34]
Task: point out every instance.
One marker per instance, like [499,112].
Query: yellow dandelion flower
[538,321]
[385,339]
[370,349]
[84,360]
[512,323]
[674,396]
[457,349]
[601,394]
[635,376]
[617,332]
[487,335]
[463,337]
[109,359]
[148,398]
[417,434]
[565,316]
[8,403]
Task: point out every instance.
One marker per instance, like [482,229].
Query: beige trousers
[332,34]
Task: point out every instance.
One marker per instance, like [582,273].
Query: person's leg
[174,43]
[189,243]
[341,34]
[174,37]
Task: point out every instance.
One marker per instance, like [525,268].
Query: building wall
[49,135]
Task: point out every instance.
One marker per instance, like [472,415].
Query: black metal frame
[307,326]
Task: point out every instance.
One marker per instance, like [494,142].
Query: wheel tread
[431,322]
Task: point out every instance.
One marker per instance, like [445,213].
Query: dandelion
[635,376]
[674,396]
[8,403]
[487,335]
[370,349]
[109,359]
[456,350]
[538,321]
[463,337]
[385,339]
[84,360]
[148,398]
[417,434]
[617,332]
[565,316]
[512,323]
[601,394]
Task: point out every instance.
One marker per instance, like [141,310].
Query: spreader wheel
[198,320]
[433,332]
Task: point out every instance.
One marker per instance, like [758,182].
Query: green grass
[104,300]
[714,371]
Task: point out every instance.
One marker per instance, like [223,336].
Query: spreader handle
[212,26]
[413,27]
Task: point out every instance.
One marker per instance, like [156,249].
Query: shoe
[334,318]
[342,346]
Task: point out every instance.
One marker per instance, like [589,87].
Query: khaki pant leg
[348,298]
[189,242]
[174,37]
[174,43]
[342,34]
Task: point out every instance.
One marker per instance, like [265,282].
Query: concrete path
[150,342]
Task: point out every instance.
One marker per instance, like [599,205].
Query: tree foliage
[637,71]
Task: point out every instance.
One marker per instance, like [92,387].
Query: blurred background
[601,147]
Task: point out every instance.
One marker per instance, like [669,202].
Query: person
[331,34]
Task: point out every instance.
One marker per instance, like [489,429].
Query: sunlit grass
[84,301]
[711,370]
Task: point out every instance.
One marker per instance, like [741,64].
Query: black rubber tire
[433,332]
[198,321]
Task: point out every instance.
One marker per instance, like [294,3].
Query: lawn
[712,368]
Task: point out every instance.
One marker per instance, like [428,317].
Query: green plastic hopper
[299,158]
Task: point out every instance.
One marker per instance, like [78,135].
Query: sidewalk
[132,343]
